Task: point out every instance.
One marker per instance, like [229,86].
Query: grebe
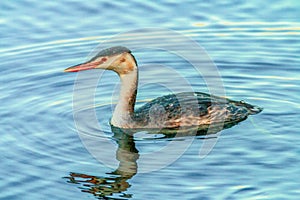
[167,112]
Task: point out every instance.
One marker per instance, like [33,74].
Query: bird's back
[191,109]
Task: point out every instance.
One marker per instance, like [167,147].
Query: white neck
[125,106]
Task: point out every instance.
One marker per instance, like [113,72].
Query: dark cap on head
[111,51]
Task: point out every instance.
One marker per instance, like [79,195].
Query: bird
[168,112]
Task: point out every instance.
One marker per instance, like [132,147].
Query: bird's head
[118,59]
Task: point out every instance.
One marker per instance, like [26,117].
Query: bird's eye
[104,59]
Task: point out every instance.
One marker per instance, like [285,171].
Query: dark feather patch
[111,51]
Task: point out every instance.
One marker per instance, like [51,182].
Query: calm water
[255,47]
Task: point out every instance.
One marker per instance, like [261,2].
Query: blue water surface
[255,46]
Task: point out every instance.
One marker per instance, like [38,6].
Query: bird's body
[191,109]
[171,111]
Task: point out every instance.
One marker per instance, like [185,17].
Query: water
[255,47]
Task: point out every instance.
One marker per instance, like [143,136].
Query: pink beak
[82,66]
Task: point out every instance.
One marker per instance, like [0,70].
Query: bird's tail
[253,110]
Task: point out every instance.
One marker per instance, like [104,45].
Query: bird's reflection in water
[113,185]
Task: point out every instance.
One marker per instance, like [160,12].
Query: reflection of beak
[82,66]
